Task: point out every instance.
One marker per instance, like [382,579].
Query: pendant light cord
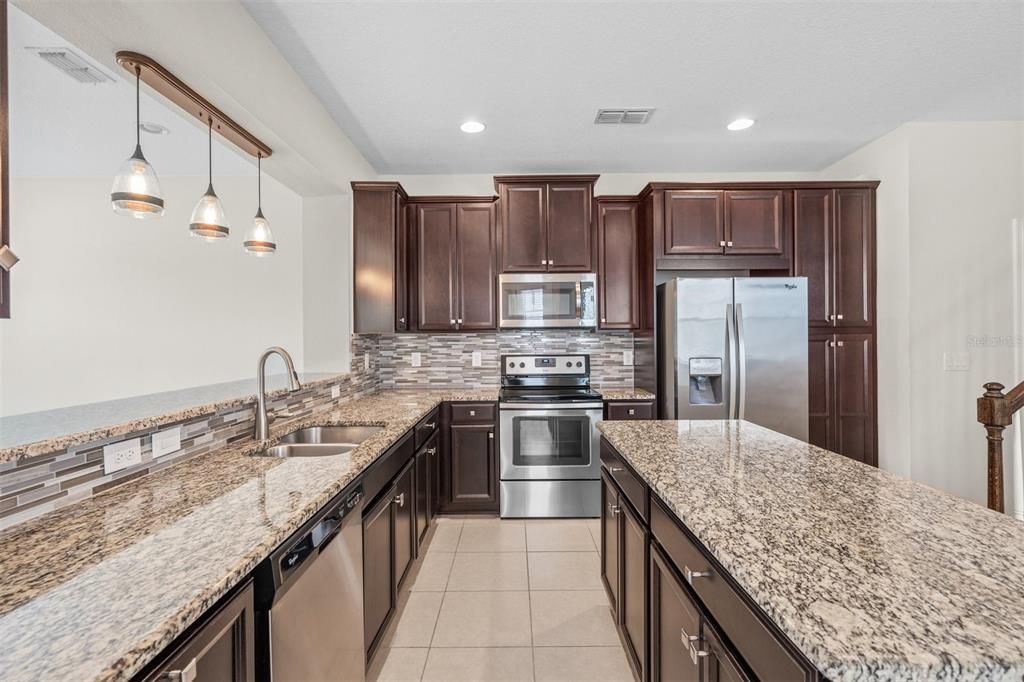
[259,182]
[138,112]
[211,150]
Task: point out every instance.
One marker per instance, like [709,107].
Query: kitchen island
[868,575]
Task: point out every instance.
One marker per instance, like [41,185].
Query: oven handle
[560,407]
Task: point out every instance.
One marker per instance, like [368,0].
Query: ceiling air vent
[632,115]
[72,64]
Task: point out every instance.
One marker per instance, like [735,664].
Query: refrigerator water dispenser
[705,381]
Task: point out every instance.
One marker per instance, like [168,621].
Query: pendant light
[136,190]
[259,240]
[208,219]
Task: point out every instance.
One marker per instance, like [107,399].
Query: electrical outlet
[478,360]
[956,362]
[166,442]
[335,392]
[627,358]
[117,456]
[416,360]
[366,361]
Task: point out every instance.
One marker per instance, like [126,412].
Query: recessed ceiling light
[153,128]
[472,127]
[741,124]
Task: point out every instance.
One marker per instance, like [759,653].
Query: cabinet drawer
[631,485]
[427,426]
[472,413]
[763,651]
[630,410]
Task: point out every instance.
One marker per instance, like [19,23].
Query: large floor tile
[417,615]
[445,538]
[510,664]
[565,571]
[595,532]
[432,573]
[397,665]
[487,571]
[590,664]
[492,537]
[558,536]
[483,619]
[572,619]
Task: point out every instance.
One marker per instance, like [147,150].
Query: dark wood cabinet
[380,591]
[610,541]
[470,466]
[639,409]
[694,222]
[674,624]
[546,223]
[755,222]
[618,264]
[404,501]
[719,663]
[632,607]
[426,484]
[222,648]
[841,383]
[812,258]
[454,270]
[379,235]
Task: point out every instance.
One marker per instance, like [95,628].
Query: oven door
[526,301]
[550,442]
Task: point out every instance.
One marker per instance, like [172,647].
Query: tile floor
[505,600]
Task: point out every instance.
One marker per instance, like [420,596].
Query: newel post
[995,415]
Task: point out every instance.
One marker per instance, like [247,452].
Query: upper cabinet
[379,234]
[834,249]
[545,223]
[618,263]
[453,269]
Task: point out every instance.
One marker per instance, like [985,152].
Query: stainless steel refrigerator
[734,348]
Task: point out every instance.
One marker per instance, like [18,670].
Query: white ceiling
[821,78]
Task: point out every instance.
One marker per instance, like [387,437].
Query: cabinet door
[812,229]
[694,222]
[610,542]
[435,266]
[617,265]
[854,258]
[633,597]
[522,228]
[755,222]
[404,500]
[222,650]
[629,410]
[719,663]
[674,620]
[379,588]
[402,267]
[855,397]
[820,388]
[474,483]
[422,496]
[568,227]
[475,282]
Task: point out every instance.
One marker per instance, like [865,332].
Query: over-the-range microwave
[547,300]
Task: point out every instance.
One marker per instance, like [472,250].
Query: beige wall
[327,282]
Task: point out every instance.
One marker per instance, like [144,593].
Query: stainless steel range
[549,444]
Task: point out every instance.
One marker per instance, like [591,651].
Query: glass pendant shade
[136,189]
[208,218]
[259,240]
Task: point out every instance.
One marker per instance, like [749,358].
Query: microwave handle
[579,301]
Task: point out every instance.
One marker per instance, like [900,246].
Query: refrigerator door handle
[741,356]
[730,352]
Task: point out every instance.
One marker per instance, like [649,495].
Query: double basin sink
[321,441]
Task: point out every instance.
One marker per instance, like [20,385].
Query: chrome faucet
[262,422]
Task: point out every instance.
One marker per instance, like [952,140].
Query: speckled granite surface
[872,576]
[625,394]
[97,589]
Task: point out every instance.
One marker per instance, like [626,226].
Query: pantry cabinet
[841,387]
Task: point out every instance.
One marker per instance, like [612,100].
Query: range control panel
[545,365]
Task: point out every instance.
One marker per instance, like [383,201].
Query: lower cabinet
[841,398]
[426,476]
[471,462]
[404,501]
[719,663]
[675,625]
[631,409]
[624,572]
[221,649]
[380,592]
[610,540]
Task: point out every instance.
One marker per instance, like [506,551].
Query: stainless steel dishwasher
[315,619]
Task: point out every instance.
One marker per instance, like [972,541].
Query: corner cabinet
[380,267]
[618,263]
[453,270]
[545,223]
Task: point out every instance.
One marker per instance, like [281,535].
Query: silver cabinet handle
[839,343]
[632,411]
[691,642]
[691,575]
[615,470]
[452,321]
[721,243]
[431,425]
[550,262]
[613,509]
[728,243]
[400,500]
[490,435]
[431,451]
[839,317]
[401,320]
[459,320]
[7,258]
[186,674]
[472,413]
[543,262]
[603,320]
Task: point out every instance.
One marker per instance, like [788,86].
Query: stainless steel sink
[353,435]
[321,441]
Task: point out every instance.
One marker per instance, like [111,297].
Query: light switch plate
[166,442]
[117,456]
[627,358]
[478,360]
[416,360]
[335,392]
[956,362]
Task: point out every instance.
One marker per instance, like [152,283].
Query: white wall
[949,194]
[105,306]
[327,282]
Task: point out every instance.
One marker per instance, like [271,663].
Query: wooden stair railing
[995,412]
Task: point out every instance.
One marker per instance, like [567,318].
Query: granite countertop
[871,575]
[95,590]
[625,394]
